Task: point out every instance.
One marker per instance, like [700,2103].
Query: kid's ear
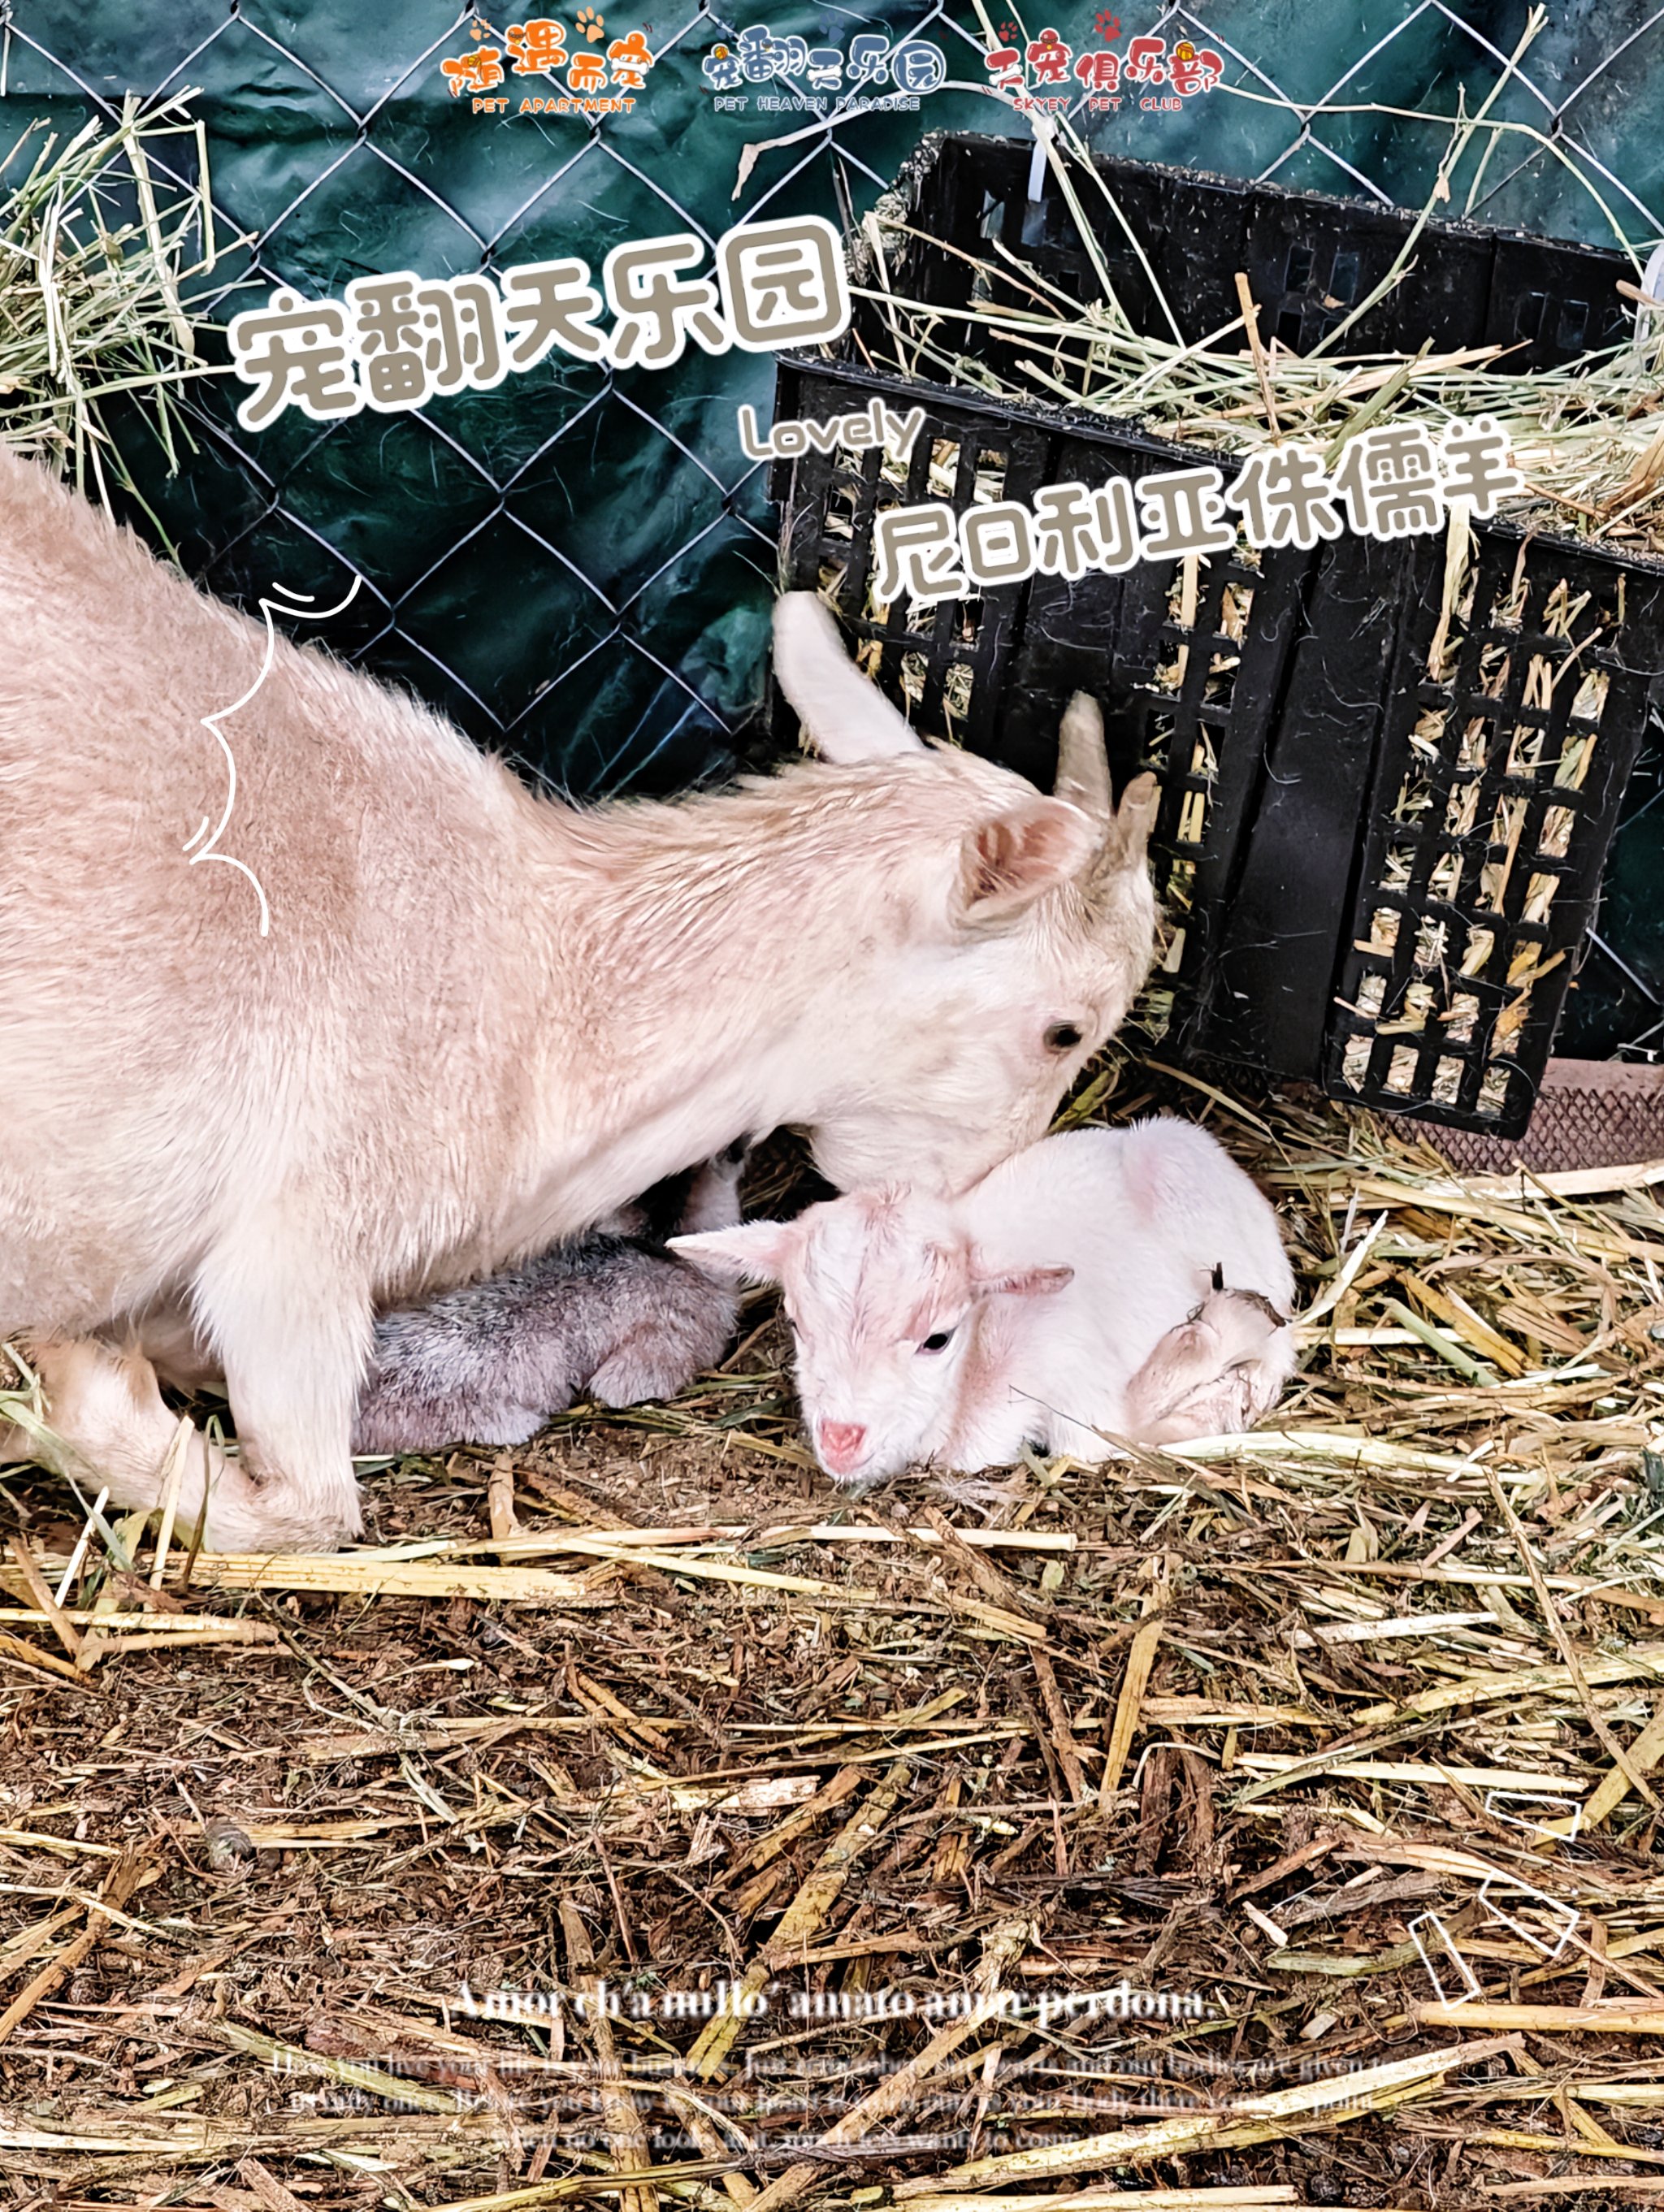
[755,1252]
[1024,1283]
[1017,856]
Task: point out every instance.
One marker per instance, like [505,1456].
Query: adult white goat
[481,1019]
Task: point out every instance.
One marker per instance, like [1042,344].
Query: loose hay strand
[97,253]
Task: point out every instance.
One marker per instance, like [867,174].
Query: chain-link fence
[577,566]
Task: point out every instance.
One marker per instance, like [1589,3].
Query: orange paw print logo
[594,27]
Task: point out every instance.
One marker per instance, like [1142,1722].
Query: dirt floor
[841,1822]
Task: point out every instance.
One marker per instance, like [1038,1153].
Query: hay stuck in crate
[1392,769]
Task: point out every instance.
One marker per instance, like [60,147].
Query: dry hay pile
[1306,1730]
[1587,435]
[101,243]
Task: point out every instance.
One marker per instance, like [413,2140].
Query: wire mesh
[578,567]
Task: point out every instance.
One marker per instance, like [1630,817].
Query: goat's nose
[841,1444]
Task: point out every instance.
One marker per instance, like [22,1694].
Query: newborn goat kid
[612,1316]
[1109,1283]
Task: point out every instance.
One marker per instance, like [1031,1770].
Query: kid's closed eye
[1062,1037]
[938,1341]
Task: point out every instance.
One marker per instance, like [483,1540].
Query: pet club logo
[1046,74]
[868,73]
[584,74]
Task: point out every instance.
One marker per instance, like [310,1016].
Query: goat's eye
[1062,1037]
[938,1341]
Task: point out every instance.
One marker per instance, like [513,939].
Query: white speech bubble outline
[300,606]
[1570,1807]
[1555,1905]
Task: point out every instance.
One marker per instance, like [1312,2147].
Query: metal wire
[618,695]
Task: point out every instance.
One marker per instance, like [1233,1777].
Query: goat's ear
[755,1252]
[1017,856]
[1024,1283]
[1127,844]
[1083,765]
[847,719]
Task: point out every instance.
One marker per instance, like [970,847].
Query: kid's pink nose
[841,1444]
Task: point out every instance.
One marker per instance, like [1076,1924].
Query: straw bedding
[1290,1726]
[1342,1742]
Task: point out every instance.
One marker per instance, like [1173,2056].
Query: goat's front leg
[290,1320]
[713,1196]
[106,1426]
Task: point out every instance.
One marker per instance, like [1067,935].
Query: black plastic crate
[1495,795]
[1309,260]
[1188,690]
[1379,877]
